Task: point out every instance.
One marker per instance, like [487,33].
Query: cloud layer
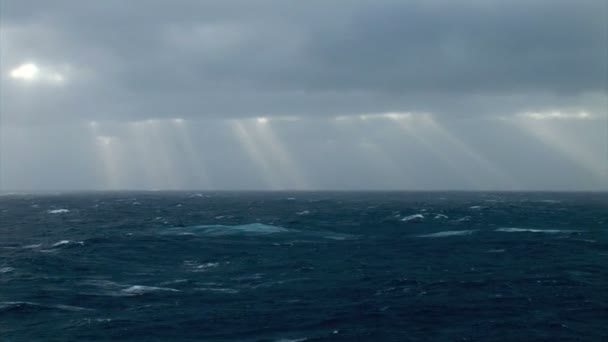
[130,60]
[282,94]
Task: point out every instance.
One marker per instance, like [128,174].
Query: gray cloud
[216,58]
[475,65]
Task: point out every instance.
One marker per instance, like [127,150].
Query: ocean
[304,266]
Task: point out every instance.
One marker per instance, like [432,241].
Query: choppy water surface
[160,266]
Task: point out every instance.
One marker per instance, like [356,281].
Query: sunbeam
[498,178]
[371,152]
[108,152]
[195,163]
[269,141]
[265,170]
[412,128]
[152,153]
[548,133]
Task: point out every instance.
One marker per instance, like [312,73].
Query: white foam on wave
[57,211]
[340,237]
[448,233]
[67,242]
[10,305]
[204,267]
[528,230]
[303,212]
[440,216]
[141,289]
[220,230]
[6,269]
[415,217]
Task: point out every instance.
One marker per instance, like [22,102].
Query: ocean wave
[221,230]
[217,290]
[11,306]
[448,233]
[58,211]
[499,250]
[528,230]
[6,269]
[413,218]
[67,242]
[462,219]
[141,289]
[200,267]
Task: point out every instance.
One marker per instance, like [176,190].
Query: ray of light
[564,144]
[373,154]
[265,169]
[194,160]
[411,128]
[499,178]
[108,151]
[281,158]
[153,155]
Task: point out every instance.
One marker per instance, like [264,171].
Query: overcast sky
[279,94]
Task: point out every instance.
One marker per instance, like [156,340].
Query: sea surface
[304,266]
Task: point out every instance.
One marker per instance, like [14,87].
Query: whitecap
[141,289]
[303,212]
[67,242]
[204,267]
[415,217]
[11,305]
[340,237]
[440,216]
[220,230]
[57,211]
[527,230]
[448,233]
[70,308]
[32,246]
[6,269]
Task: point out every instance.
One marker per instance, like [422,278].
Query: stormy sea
[304,266]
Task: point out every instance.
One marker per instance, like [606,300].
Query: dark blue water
[304,266]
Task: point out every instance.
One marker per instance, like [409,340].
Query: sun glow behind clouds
[26,71]
[31,72]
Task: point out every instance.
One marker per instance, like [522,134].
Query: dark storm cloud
[144,59]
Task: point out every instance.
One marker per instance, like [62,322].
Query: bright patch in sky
[26,71]
[33,72]
[556,115]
